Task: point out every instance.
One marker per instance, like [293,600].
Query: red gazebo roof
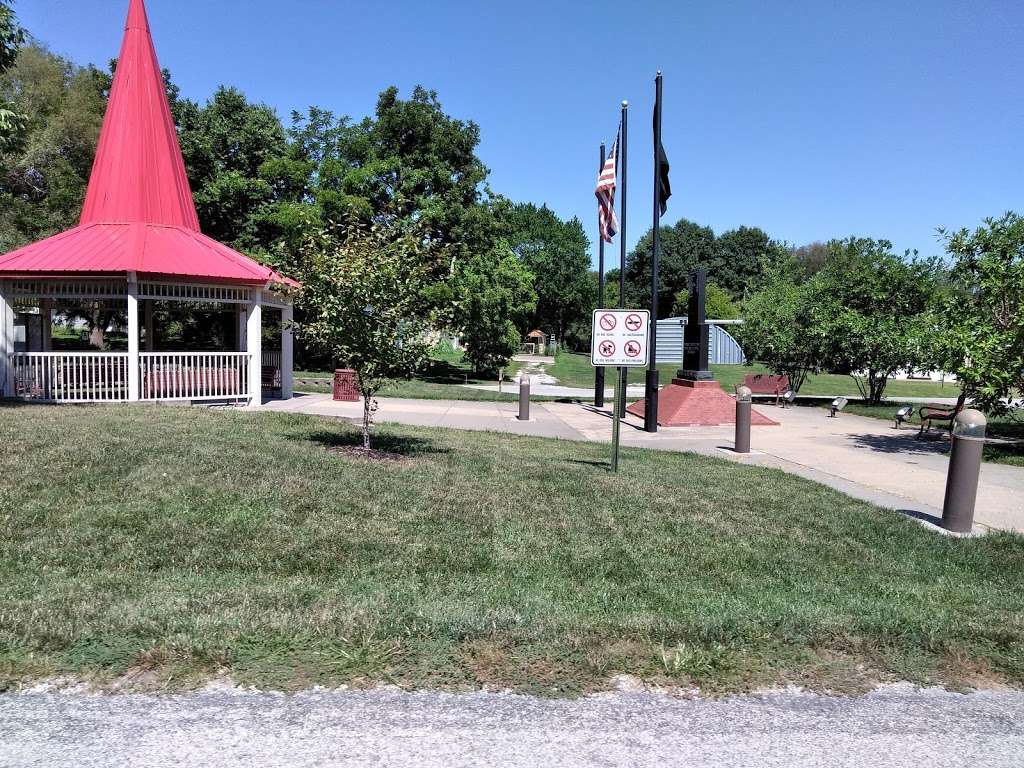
[139,215]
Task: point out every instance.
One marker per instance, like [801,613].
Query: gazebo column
[254,346]
[46,312]
[6,343]
[133,338]
[150,326]
[287,352]
[241,328]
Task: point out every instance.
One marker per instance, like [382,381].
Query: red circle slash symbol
[606,348]
[608,322]
[634,322]
[632,349]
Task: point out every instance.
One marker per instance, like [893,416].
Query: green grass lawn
[1000,427]
[440,380]
[574,370]
[158,546]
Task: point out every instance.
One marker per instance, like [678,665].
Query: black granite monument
[697,334]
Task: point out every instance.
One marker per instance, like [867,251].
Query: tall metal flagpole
[599,371]
[651,383]
[621,404]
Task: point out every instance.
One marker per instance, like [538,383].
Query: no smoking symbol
[608,322]
[634,322]
[632,348]
[606,348]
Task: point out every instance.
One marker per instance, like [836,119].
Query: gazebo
[138,252]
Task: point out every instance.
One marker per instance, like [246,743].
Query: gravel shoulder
[893,726]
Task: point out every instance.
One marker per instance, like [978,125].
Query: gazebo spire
[139,176]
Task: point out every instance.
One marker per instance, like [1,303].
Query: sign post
[620,339]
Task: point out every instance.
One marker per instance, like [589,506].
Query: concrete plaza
[865,458]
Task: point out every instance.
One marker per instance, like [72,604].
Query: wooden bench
[767,384]
[939,414]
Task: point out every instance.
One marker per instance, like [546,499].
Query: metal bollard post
[524,398]
[744,397]
[964,467]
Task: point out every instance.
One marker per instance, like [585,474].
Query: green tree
[12,37]
[684,247]
[776,330]
[413,162]
[718,304]
[981,320]
[236,156]
[556,253]
[496,297]
[362,304]
[44,175]
[870,307]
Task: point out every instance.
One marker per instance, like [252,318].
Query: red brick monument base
[685,403]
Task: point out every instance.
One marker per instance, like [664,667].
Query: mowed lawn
[574,370]
[155,547]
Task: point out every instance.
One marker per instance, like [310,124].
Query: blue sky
[811,120]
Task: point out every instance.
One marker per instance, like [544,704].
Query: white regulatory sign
[620,338]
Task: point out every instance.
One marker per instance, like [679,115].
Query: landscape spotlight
[904,414]
[837,405]
[788,397]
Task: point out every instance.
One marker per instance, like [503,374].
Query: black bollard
[964,468]
[744,398]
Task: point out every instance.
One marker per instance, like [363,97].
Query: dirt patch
[367,454]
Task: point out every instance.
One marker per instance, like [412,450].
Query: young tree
[495,298]
[776,330]
[981,321]
[869,310]
[362,304]
[555,253]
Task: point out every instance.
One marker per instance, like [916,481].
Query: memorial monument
[694,398]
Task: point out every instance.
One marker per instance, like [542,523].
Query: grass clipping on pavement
[151,548]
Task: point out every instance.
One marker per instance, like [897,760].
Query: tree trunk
[367,419]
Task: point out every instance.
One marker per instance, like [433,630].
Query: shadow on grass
[599,464]
[905,443]
[400,445]
[922,516]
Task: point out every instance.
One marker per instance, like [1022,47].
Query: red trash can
[345,388]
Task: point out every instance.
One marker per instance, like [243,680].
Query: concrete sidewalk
[865,458]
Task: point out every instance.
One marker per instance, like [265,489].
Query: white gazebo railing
[195,375]
[71,377]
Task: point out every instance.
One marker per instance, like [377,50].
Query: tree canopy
[11,38]
[44,174]
[556,253]
[981,320]
[862,313]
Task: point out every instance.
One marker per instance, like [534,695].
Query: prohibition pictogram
[608,322]
[632,348]
[606,348]
[634,322]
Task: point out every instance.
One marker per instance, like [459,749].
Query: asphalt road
[896,726]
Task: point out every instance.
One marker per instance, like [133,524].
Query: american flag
[605,192]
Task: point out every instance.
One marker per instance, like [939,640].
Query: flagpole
[621,405]
[651,388]
[599,371]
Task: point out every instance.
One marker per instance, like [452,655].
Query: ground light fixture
[904,415]
[788,397]
[837,405]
